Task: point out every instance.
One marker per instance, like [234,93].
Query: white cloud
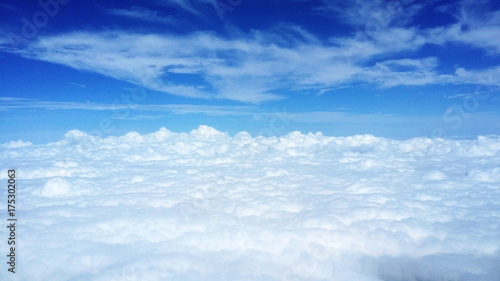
[141,13]
[477,26]
[207,206]
[137,117]
[490,76]
[56,187]
[260,66]
[146,59]
[9,103]
[365,119]
[186,5]
[374,15]
[483,37]
[16,144]
[405,72]
[245,69]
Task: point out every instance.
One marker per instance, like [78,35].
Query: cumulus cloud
[15,144]
[56,187]
[204,205]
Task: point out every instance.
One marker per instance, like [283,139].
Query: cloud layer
[207,206]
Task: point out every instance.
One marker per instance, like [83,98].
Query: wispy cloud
[476,25]
[137,117]
[77,84]
[482,37]
[11,103]
[186,5]
[392,73]
[141,13]
[151,112]
[262,66]
[338,116]
[489,76]
[373,15]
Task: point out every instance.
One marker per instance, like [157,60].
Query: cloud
[141,13]
[203,205]
[15,144]
[366,119]
[137,117]
[482,37]
[10,103]
[485,77]
[374,15]
[245,69]
[392,73]
[77,84]
[142,112]
[56,187]
[268,65]
[186,5]
[146,60]
[478,25]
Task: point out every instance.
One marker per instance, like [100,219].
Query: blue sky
[396,69]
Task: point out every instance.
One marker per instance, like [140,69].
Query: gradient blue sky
[397,69]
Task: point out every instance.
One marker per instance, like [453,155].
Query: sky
[397,69]
[251,140]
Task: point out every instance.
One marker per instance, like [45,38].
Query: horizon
[86,138]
